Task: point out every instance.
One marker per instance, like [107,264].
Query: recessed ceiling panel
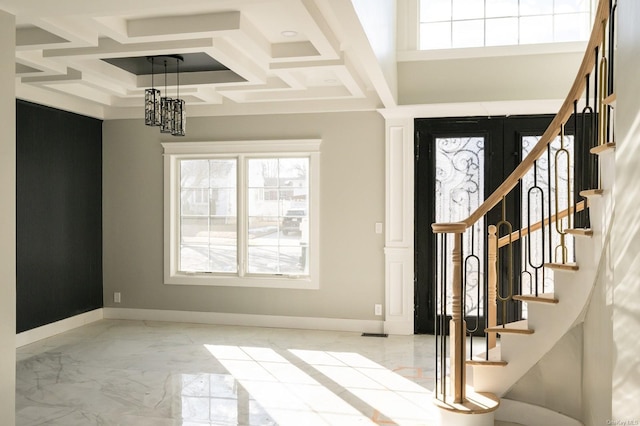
[193,62]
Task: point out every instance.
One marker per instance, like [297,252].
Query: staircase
[473,392]
[550,316]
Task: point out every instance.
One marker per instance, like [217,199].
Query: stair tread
[518,327]
[609,146]
[583,232]
[492,363]
[562,266]
[591,192]
[540,298]
[610,100]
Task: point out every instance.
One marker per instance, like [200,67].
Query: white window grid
[459,27]
[174,152]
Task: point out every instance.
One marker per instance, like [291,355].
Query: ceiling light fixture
[289,33]
[152,103]
[179,113]
[163,111]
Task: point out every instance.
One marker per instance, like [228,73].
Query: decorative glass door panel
[459,191]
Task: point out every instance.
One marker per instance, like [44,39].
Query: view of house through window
[275,201]
[208,215]
[446,24]
[278,220]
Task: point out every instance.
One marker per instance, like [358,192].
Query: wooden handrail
[515,235]
[588,62]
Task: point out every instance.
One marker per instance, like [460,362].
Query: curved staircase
[515,348]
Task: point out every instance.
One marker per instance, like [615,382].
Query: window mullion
[242,215]
[209,200]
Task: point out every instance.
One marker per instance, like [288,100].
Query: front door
[458,163]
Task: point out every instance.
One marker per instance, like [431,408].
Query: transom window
[446,24]
[242,213]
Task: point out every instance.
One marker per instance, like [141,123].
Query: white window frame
[240,150]
[408,46]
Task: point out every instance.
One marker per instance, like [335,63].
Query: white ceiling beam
[298,50]
[191,24]
[70,75]
[108,48]
[34,59]
[78,31]
[320,33]
[244,65]
[35,38]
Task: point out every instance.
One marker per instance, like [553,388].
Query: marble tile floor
[115,372]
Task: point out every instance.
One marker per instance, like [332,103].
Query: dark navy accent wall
[59,215]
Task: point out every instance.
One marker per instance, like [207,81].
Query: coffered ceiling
[254,56]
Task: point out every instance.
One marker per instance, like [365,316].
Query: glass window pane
[501,8]
[468,9]
[435,10]
[194,201]
[569,6]
[277,260]
[263,230]
[502,31]
[263,172]
[536,7]
[447,24]
[536,29]
[278,216]
[194,258]
[459,191]
[468,33]
[435,36]
[208,216]
[194,174]
[222,173]
[571,27]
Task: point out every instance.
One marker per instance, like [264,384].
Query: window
[242,213]
[446,24]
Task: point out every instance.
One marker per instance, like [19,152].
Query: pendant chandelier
[167,113]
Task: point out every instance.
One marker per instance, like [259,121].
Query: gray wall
[500,78]
[352,201]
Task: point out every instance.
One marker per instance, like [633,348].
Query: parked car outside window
[292,220]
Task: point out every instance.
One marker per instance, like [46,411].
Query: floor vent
[375,335]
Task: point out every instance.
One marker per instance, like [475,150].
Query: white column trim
[7,218]
[399,234]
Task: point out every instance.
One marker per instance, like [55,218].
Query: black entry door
[458,163]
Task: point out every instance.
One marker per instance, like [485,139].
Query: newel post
[457,325]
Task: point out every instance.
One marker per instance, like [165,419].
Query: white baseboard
[272,321]
[533,415]
[57,327]
[405,328]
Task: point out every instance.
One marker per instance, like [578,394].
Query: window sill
[293,282]
[491,51]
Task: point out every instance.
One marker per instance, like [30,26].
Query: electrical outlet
[377,309]
[116,297]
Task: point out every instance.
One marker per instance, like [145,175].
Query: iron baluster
[535,188]
[559,225]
